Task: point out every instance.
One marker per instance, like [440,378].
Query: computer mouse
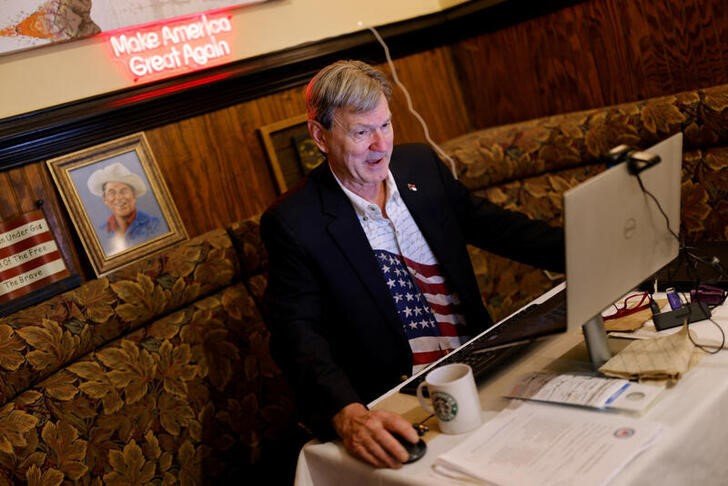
[415,451]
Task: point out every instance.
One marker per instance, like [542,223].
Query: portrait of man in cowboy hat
[127,225]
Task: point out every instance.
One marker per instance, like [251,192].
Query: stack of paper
[541,444]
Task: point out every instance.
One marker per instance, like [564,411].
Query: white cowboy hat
[115,172]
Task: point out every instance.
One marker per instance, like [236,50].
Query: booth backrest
[44,338]
[159,372]
[527,166]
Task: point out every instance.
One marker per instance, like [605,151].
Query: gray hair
[354,85]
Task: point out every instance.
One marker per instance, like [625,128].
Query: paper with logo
[540,444]
[585,390]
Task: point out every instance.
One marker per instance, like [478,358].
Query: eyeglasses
[630,305]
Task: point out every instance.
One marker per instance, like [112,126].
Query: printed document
[585,391]
[542,444]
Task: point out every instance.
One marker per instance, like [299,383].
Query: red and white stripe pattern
[29,256]
[429,314]
[429,311]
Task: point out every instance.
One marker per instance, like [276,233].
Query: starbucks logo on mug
[446,408]
[453,398]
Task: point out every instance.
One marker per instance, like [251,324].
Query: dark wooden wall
[591,54]
[595,53]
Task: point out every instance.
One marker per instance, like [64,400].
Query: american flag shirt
[429,312]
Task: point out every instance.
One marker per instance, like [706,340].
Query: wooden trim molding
[55,131]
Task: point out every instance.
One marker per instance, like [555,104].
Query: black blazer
[334,328]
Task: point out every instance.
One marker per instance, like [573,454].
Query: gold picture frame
[118,201]
[290,151]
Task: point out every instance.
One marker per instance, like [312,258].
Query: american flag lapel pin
[412,187]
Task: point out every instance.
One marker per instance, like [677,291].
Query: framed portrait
[118,201]
[290,151]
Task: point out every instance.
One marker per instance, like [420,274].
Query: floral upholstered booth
[158,373]
[527,166]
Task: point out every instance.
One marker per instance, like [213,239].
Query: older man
[377,233]
[127,226]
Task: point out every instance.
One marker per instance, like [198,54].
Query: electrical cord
[409,102]
[659,206]
[702,347]
[706,348]
[713,262]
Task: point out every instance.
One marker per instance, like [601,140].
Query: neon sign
[163,49]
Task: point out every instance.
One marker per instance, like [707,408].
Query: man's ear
[318,135]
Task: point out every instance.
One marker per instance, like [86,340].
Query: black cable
[692,267]
[659,206]
[705,348]
[702,347]
[713,262]
[684,249]
[667,222]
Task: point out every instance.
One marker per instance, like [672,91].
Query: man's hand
[366,435]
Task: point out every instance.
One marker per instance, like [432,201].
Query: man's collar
[112,225]
[360,204]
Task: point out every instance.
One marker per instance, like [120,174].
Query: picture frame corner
[279,141]
[101,259]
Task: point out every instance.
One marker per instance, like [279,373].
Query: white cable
[409,103]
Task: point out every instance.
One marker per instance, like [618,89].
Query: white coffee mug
[454,398]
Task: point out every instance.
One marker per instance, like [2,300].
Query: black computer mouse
[415,451]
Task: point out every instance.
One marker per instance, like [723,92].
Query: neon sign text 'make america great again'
[172,47]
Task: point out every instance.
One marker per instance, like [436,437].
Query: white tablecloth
[691,450]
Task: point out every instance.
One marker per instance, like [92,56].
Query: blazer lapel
[434,223]
[349,236]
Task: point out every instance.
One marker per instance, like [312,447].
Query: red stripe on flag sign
[23,245]
[30,265]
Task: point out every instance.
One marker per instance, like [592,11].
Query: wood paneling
[58,130]
[431,80]
[589,54]
[592,54]
[215,166]
[30,187]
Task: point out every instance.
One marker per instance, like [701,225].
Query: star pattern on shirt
[414,311]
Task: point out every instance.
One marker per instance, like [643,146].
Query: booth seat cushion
[252,255]
[507,285]
[175,402]
[38,341]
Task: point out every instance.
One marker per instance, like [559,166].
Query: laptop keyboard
[488,351]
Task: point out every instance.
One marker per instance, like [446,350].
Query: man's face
[359,146]
[119,198]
